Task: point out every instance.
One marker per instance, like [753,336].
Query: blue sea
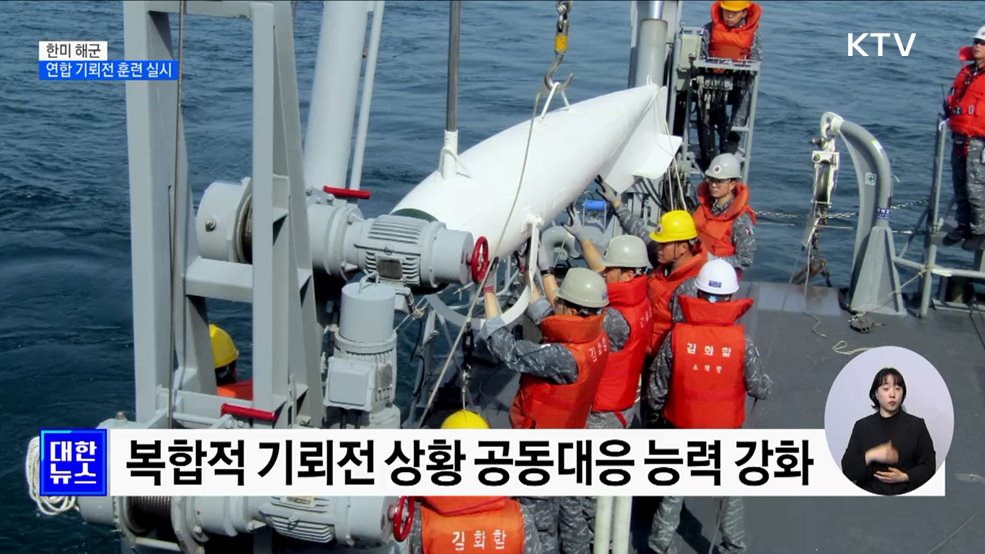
[65,296]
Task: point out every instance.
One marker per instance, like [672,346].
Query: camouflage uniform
[667,518]
[688,288]
[615,325]
[968,178]
[633,225]
[531,538]
[555,363]
[577,514]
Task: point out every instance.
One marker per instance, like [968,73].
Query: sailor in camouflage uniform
[724,220]
[559,377]
[965,109]
[624,268]
[703,346]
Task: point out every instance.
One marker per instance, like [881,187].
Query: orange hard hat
[734,5]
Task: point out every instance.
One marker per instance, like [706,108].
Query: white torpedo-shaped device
[620,136]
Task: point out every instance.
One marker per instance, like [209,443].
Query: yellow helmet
[676,225]
[465,419]
[734,5]
[223,348]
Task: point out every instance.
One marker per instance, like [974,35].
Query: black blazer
[910,438]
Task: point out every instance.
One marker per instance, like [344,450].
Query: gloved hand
[575,227]
[608,193]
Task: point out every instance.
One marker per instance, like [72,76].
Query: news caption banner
[71,60]
[501,462]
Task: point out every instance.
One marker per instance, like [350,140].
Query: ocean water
[65,294]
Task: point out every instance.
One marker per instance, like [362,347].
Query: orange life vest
[471,524]
[966,104]
[715,231]
[707,383]
[240,389]
[733,42]
[542,404]
[621,379]
[661,288]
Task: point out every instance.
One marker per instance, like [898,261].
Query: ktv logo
[855,43]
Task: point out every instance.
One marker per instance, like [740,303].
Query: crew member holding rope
[698,381]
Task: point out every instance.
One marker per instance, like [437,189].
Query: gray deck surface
[803,367]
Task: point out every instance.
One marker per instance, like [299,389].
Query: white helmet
[626,251]
[718,277]
[980,35]
[585,288]
[724,166]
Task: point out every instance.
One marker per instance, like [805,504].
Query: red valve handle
[401,527]
[249,413]
[480,259]
[347,193]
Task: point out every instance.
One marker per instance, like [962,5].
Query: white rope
[490,270]
[839,348]
[49,505]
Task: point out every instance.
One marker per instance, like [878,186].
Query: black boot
[955,236]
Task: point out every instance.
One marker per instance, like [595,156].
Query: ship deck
[803,366]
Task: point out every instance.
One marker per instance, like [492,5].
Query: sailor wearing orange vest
[966,116]
[559,377]
[624,268]
[723,216]
[674,252]
[628,323]
[699,381]
[224,356]
[679,258]
[472,524]
[733,33]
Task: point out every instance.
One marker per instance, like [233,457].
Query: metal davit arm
[875,280]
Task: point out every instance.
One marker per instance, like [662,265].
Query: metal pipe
[158,544]
[454,40]
[941,270]
[932,218]
[448,159]
[651,52]
[603,524]
[621,515]
[872,148]
[751,125]
[650,9]
[369,81]
[335,87]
